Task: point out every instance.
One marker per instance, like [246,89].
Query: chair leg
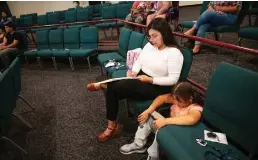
[33,109]
[88,60]
[218,38]
[129,112]
[71,63]
[26,59]
[22,120]
[249,19]
[237,53]
[40,65]
[54,62]
[105,33]
[181,38]
[3,138]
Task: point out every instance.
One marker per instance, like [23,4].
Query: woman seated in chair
[161,8]
[158,69]
[139,12]
[218,13]
[184,111]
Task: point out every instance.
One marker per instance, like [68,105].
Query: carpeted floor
[68,117]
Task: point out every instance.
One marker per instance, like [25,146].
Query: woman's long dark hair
[162,26]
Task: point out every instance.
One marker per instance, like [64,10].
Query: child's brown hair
[183,91]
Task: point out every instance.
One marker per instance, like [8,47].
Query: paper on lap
[116,79]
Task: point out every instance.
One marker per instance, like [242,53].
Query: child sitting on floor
[184,111]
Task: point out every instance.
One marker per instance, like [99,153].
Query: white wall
[41,7]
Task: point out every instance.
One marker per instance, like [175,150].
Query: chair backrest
[145,41]
[135,40]
[53,18]
[70,16]
[16,74]
[188,58]
[72,38]
[124,41]
[90,12]
[56,39]
[89,37]
[7,97]
[109,12]
[97,8]
[204,6]
[231,104]
[82,15]
[243,12]
[122,10]
[27,21]
[62,15]
[42,39]
[42,20]
[34,17]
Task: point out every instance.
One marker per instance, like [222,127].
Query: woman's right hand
[131,74]
[143,116]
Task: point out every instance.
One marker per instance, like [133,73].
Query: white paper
[221,137]
[117,79]
[194,21]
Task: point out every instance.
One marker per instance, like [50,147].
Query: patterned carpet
[68,117]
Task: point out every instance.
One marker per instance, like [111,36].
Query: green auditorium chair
[42,41]
[8,102]
[90,11]
[97,10]
[42,20]
[122,72]
[9,88]
[70,16]
[89,44]
[71,40]
[122,10]
[253,10]
[135,41]
[82,15]
[230,107]
[108,12]
[247,33]
[56,42]
[27,21]
[53,18]
[120,55]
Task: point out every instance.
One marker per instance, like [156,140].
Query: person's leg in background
[210,19]
[143,131]
[6,54]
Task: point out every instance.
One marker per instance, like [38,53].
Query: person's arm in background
[164,8]
[4,42]
[16,41]
[229,9]
[174,64]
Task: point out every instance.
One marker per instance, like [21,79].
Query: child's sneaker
[132,148]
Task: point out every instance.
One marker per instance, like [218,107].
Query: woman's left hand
[159,122]
[145,79]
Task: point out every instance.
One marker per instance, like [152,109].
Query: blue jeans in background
[212,19]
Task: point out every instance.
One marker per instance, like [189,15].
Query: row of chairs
[73,15]
[10,87]
[70,42]
[222,97]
